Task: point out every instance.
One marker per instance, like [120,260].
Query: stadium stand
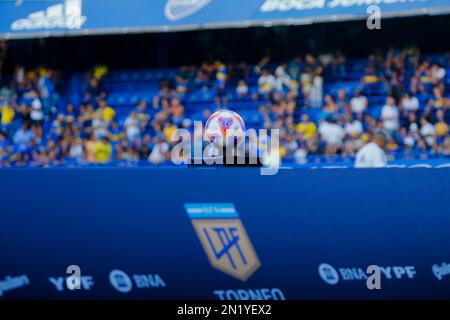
[325,106]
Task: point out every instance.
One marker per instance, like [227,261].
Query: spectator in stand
[306,84]
[353,128]
[332,134]
[370,76]
[205,115]
[70,114]
[395,86]
[168,130]
[47,91]
[221,81]
[316,91]
[409,102]
[266,82]
[342,101]
[103,150]
[23,137]
[358,103]
[105,112]
[143,114]
[437,74]
[424,76]
[160,151]
[165,92]
[90,148]
[446,147]
[7,114]
[411,123]
[390,116]
[437,101]
[330,109]
[353,135]
[93,88]
[427,130]
[295,68]
[306,129]
[288,146]
[440,126]
[176,111]
[36,113]
[132,127]
[100,127]
[76,150]
[242,89]
[181,85]
[282,79]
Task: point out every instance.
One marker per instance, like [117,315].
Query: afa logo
[178,9]
[224,239]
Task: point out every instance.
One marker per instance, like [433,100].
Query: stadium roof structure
[43,18]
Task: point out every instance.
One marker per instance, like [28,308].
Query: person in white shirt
[426,128]
[242,88]
[372,154]
[159,151]
[390,115]
[266,82]
[76,150]
[437,72]
[409,103]
[427,131]
[358,103]
[316,92]
[132,127]
[282,79]
[331,132]
[36,113]
[353,128]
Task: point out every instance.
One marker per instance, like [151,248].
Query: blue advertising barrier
[56,17]
[224,233]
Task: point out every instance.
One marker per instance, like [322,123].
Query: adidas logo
[65,15]
[178,9]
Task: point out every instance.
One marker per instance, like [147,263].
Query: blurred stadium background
[88,87]
[85,83]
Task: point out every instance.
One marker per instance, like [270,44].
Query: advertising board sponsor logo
[179,9]
[224,238]
[287,5]
[441,271]
[332,275]
[11,283]
[66,15]
[124,283]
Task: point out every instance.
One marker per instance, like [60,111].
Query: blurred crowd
[39,128]
[411,104]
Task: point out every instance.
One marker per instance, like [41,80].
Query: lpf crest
[224,238]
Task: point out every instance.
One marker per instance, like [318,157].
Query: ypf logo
[178,9]
[328,274]
[224,238]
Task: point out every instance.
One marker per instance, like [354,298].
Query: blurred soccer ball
[225,127]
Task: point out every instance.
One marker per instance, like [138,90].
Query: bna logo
[178,9]
[224,239]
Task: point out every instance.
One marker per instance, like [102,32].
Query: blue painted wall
[134,220]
